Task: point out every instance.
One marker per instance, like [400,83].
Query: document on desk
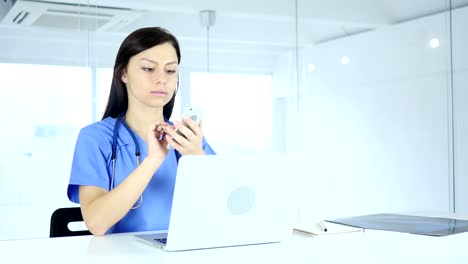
[421,225]
[325,228]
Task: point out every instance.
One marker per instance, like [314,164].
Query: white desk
[368,247]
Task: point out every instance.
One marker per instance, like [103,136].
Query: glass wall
[373,92]
[46,96]
[377,106]
[459,78]
[56,66]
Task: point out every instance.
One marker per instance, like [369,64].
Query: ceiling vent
[68,16]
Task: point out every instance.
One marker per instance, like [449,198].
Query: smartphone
[194,114]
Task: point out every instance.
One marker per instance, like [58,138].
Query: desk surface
[368,247]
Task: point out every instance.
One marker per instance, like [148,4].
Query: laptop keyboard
[161,240]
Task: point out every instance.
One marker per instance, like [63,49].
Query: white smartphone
[194,114]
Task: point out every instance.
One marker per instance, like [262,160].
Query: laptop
[231,200]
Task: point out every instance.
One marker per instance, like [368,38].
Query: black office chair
[60,220]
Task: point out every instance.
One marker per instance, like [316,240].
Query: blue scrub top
[92,166]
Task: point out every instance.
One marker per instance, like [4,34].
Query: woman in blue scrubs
[123,172]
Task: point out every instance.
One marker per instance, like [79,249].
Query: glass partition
[56,62]
[374,93]
[46,97]
[459,78]
[376,107]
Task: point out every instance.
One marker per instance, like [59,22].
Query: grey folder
[422,225]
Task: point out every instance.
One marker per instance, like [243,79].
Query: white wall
[377,129]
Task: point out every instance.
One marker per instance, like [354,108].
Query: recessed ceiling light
[345,60]
[434,43]
[311,67]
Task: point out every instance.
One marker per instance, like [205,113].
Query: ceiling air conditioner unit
[68,15]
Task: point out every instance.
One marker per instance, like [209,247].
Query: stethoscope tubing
[120,120]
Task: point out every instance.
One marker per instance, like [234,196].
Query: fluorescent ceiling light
[434,43]
[345,60]
[311,67]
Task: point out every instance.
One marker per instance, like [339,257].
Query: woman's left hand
[187,139]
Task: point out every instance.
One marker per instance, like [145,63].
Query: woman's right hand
[157,144]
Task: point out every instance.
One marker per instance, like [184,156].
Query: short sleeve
[89,166]
[207,148]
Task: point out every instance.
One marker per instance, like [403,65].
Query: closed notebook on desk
[331,229]
[422,225]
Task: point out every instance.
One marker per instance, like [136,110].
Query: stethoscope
[120,120]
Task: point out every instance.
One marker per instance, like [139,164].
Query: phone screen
[190,112]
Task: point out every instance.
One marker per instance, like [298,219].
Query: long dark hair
[138,41]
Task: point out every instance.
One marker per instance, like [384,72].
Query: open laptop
[231,200]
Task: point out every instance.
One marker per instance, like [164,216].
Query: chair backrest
[61,218]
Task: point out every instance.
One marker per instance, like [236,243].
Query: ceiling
[267,27]
[319,20]
[273,21]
